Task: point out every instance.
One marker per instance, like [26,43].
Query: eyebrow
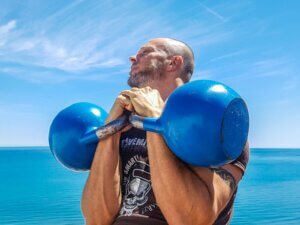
[147,48]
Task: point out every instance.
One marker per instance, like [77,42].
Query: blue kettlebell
[204,123]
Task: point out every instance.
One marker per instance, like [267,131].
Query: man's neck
[165,87]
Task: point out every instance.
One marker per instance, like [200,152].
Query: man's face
[147,65]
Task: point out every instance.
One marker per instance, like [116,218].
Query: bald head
[173,48]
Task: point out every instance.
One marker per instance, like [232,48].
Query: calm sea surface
[35,189]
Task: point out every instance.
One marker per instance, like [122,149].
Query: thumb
[125,102]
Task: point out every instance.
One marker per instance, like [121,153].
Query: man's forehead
[154,44]
[150,44]
[158,42]
[165,44]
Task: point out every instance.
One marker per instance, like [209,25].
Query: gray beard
[142,78]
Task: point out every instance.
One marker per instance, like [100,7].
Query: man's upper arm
[224,180]
[238,167]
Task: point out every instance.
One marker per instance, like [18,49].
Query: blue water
[35,189]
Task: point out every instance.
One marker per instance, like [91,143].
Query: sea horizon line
[252,148]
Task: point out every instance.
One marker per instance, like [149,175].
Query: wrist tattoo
[226,176]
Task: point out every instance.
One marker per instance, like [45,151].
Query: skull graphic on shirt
[138,185]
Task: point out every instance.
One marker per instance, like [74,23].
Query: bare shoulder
[227,176]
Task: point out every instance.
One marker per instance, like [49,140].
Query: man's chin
[133,84]
[136,80]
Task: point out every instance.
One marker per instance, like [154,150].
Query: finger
[136,106]
[125,102]
[129,107]
[136,102]
[122,99]
[128,93]
[134,89]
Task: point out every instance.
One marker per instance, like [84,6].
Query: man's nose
[132,59]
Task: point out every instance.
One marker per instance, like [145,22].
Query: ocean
[35,189]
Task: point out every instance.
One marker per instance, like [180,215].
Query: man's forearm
[183,196]
[102,196]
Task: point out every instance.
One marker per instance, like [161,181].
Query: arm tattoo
[226,176]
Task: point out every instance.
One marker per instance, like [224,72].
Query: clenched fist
[145,101]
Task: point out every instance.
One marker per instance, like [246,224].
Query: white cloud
[226,56]
[5,30]
[204,74]
[272,67]
[291,84]
[261,68]
[112,62]
[73,40]
[213,12]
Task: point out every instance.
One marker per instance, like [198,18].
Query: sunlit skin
[200,193]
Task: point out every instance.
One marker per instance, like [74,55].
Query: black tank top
[138,202]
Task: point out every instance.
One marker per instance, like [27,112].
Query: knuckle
[155,91]
[120,98]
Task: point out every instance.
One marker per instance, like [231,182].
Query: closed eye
[145,52]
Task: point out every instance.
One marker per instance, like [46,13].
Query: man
[135,178]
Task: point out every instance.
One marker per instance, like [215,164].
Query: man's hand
[146,102]
[122,102]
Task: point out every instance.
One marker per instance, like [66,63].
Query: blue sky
[55,53]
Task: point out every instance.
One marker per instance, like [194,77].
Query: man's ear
[175,63]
